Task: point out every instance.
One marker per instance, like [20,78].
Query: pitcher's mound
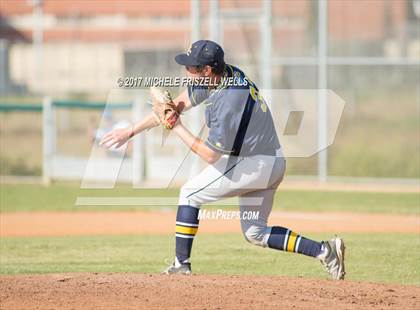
[135,291]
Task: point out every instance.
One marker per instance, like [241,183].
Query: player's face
[194,71]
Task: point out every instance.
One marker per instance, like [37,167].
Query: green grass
[62,197]
[392,258]
[378,134]
[318,201]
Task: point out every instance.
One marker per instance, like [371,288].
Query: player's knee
[184,192]
[254,234]
[186,196]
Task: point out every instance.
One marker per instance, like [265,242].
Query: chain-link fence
[75,51]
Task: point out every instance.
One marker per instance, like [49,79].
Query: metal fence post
[138,146]
[322,88]
[197,111]
[48,139]
[266,43]
[214,30]
[195,21]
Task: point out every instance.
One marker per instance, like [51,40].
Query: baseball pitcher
[243,152]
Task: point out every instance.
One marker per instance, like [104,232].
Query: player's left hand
[164,108]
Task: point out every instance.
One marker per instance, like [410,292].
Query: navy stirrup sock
[185,230]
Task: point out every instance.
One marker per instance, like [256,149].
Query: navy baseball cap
[202,53]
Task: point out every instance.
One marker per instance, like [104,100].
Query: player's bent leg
[280,238]
[254,217]
[330,253]
[284,239]
[256,231]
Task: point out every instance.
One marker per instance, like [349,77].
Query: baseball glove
[166,111]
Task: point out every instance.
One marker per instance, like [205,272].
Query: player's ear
[207,71]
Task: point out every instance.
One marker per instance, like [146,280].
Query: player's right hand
[117,137]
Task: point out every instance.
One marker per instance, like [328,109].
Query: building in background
[84,46]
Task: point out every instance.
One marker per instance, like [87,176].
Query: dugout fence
[69,135]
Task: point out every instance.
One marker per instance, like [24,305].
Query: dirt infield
[114,223]
[151,291]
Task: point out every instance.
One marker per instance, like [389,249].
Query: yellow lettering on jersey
[257,97]
[253,92]
[263,105]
